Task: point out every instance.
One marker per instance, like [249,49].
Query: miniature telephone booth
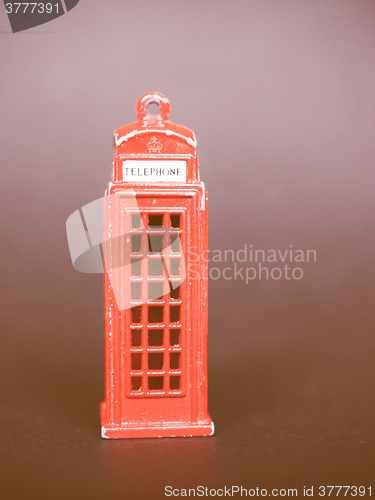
[155,282]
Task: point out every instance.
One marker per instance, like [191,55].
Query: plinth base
[164,429]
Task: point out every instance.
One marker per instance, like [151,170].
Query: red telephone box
[155,282]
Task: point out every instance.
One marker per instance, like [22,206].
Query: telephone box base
[167,430]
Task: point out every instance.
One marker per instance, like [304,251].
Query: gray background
[281,97]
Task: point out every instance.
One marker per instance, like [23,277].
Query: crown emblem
[154,146]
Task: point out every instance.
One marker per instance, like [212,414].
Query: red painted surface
[156,350]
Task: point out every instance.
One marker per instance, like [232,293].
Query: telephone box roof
[127,132]
[150,125]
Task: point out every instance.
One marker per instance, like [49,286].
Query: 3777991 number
[350,491]
[31,8]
